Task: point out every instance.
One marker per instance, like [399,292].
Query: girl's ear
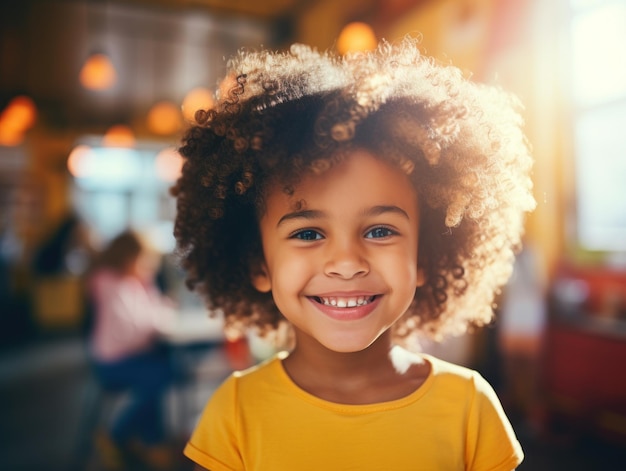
[260,278]
[421,277]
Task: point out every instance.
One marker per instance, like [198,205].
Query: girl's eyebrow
[378,210]
[309,214]
[304,214]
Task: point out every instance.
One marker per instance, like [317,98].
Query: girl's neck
[369,376]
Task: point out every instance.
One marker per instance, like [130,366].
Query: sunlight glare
[598,54]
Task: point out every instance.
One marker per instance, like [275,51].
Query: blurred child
[129,314]
[362,200]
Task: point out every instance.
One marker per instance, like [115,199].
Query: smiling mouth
[344,302]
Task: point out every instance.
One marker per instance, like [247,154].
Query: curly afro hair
[288,113]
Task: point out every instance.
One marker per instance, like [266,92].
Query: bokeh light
[119,135]
[98,73]
[169,164]
[199,98]
[77,161]
[355,37]
[164,118]
[18,117]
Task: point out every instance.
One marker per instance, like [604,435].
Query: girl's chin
[347,345]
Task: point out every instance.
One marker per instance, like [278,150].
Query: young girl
[129,314]
[362,200]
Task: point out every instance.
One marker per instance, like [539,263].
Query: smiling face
[342,265]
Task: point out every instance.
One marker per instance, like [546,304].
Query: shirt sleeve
[491,441]
[214,442]
[129,316]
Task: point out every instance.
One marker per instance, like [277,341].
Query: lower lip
[347,313]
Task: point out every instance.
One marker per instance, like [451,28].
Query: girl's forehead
[359,174]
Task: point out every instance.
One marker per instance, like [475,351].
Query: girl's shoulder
[268,370]
[443,371]
[450,379]
[444,367]
[241,385]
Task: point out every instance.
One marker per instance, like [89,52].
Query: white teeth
[346,302]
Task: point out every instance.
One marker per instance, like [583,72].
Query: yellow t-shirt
[261,420]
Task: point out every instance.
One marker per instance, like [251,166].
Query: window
[116,188]
[598,71]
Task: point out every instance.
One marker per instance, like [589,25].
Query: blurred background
[94,96]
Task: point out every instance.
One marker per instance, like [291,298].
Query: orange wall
[512,43]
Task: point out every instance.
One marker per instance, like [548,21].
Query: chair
[98,406]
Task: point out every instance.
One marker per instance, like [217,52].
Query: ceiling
[160,48]
[264,9]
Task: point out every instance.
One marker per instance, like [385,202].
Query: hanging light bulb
[10,137]
[98,73]
[21,112]
[199,98]
[164,118]
[17,118]
[119,135]
[355,37]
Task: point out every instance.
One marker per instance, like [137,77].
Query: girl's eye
[379,233]
[307,234]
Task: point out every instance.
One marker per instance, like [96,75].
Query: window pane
[601,172]
[110,212]
[598,53]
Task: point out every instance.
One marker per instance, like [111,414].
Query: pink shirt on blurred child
[128,316]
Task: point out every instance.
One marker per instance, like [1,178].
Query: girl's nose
[346,261]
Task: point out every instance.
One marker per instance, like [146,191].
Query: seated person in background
[129,312]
